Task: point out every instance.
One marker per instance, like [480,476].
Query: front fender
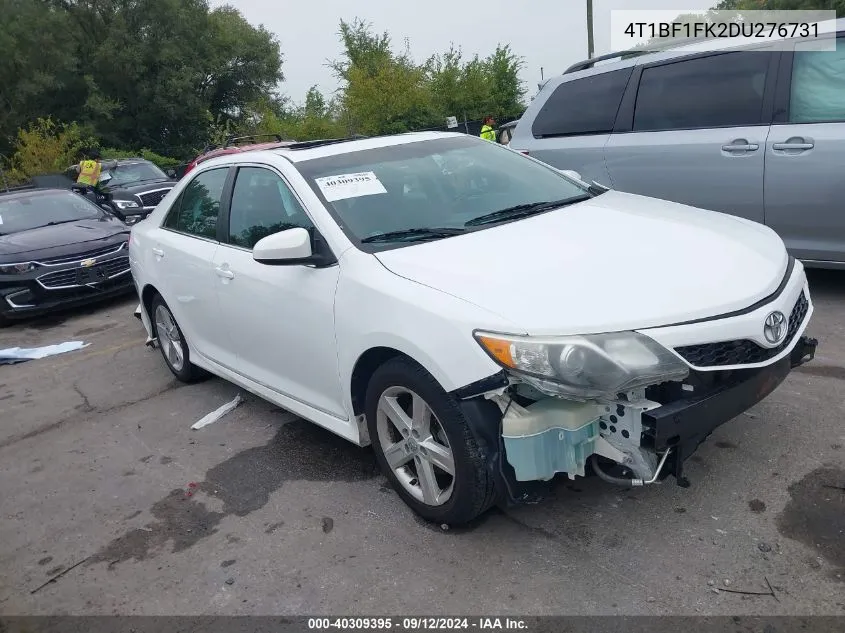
[376,308]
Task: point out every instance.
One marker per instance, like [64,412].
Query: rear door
[695,132]
[805,153]
[183,252]
[571,127]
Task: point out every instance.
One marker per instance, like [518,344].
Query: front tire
[172,343]
[424,445]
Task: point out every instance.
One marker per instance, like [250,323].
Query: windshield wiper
[414,235]
[57,222]
[524,210]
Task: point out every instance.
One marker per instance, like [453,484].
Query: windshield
[444,184]
[44,209]
[130,173]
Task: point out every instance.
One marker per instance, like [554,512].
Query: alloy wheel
[415,446]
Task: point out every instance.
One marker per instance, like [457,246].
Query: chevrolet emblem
[87,263]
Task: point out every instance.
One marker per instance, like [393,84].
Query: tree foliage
[783,5]
[140,73]
[164,78]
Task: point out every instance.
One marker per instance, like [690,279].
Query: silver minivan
[755,131]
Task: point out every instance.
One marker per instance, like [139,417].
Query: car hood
[615,262]
[62,237]
[140,187]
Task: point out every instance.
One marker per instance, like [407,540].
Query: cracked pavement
[262,513]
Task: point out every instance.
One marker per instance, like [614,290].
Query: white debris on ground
[218,413]
[18,354]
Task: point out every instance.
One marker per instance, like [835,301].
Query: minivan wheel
[424,445]
[172,343]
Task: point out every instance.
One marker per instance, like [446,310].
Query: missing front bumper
[683,425]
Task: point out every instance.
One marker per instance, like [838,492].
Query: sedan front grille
[743,352]
[78,257]
[78,276]
[152,198]
[59,279]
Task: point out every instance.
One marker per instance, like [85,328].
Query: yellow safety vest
[89,172]
[487,133]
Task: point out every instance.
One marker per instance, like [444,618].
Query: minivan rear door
[805,153]
[695,129]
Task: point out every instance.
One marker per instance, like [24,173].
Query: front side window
[582,106]
[818,84]
[195,211]
[31,211]
[262,205]
[434,188]
[715,91]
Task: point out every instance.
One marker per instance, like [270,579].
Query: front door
[805,154]
[280,318]
[699,133]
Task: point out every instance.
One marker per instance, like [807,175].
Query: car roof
[306,150]
[234,149]
[635,57]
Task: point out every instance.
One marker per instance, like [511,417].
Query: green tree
[783,5]
[141,73]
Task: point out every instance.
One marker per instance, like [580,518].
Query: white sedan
[483,320]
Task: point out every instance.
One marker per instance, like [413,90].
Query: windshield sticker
[344,186]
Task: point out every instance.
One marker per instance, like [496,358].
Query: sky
[548,34]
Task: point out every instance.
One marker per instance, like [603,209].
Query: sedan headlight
[585,367]
[17,269]
[126,204]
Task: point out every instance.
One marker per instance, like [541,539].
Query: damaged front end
[635,436]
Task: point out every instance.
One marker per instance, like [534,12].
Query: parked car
[130,187]
[58,249]
[755,131]
[482,319]
[236,144]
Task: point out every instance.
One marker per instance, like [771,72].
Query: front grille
[78,257]
[152,198]
[743,352]
[69,278]
[116,266]
[59,279]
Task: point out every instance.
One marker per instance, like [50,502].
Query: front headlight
[585,367]
[17,269]
[126,204]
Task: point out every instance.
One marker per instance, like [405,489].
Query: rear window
[582,106]
[717,91]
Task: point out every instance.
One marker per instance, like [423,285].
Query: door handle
[158,252]
[740,147]
[225,273]
[783,146]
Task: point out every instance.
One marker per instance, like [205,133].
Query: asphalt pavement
[105,488]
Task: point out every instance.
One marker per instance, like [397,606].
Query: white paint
[344,186]
[293,334]
[218,413]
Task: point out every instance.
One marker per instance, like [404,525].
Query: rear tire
[419,434]
[172,343]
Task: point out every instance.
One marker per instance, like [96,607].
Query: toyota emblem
[774,328]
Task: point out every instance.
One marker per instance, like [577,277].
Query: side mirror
[292,246]
[572,174]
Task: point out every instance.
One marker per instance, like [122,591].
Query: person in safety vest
[89,170]
[487,131]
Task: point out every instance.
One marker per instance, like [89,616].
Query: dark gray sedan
[58,249]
